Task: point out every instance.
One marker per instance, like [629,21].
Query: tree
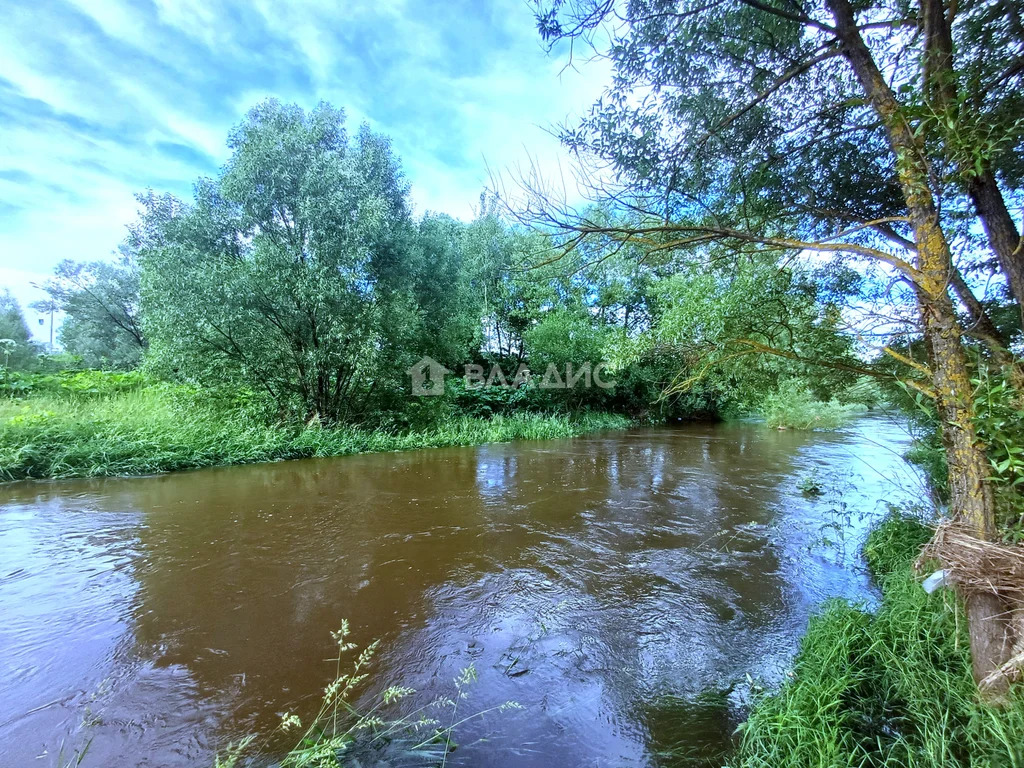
[564,345]
[443,270]
[973,61]
[101,304]
[509,292]
[298,271]
[790,126]
[720,320]
[20,351]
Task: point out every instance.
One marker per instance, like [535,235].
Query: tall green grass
[890,689]
[161,428]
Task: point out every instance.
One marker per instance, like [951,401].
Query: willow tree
[806,126]
[100,300]
[973,66]
[287,273]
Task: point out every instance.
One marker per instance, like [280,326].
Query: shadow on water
[693,732]
[605,583]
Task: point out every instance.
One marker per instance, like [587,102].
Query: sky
[103,99]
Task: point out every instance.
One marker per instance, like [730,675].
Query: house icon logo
[427,377]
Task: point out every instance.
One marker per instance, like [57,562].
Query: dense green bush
[999,420]
[793,406]
[82,383]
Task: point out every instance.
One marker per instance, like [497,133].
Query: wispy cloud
[101,100]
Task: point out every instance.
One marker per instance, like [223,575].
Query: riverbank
[150,428]
[577,545]
[889,688]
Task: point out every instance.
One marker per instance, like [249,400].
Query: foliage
[563,337]
[810,485]
[299,277]
[100,301]
[559,346]
[737,333]
[17,350]
[751,119]
[795,407]
[89,424]
[865,391]
[298,271]
[446,271]
[999,418]
[81,383]
[889,689]
[486,402]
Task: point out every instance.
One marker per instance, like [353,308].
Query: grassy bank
[893,688]
[157,428]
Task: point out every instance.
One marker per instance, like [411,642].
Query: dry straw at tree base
[975,565]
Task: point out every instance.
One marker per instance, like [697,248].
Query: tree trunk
[990,627]
[970,494]
[941,89]
[982,327]
[1002,232]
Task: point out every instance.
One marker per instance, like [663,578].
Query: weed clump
[795,407]
[353,730]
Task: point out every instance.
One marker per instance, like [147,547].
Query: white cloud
[461,90]
[118,20]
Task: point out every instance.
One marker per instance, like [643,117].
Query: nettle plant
[7,346]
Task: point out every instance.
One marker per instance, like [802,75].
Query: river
[607,584]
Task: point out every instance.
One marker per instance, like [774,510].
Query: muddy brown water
[620,587]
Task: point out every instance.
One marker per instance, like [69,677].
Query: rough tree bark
[970,495]
[1001,230]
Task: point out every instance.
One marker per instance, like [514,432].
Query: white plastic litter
[935,581]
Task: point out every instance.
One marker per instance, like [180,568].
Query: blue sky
[99,100]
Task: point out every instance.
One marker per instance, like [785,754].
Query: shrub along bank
[92,424]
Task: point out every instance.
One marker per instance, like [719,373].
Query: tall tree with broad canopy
[844,127]
[298,272]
